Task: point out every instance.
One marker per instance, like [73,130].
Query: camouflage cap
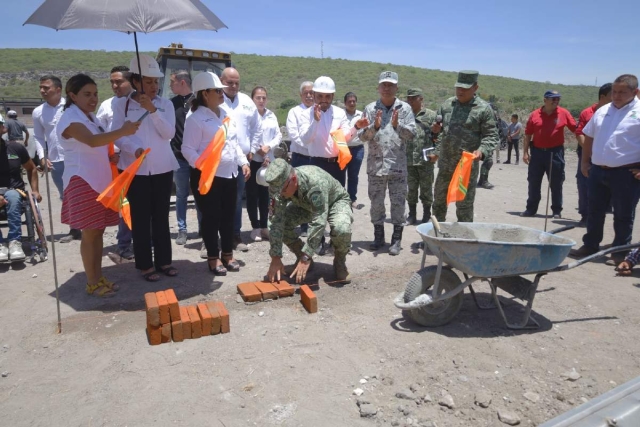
[277,174]
[414,92]
[388,76]
[466,79]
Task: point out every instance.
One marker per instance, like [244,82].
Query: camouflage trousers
[420,178]
[464,209]
[397,185]
[487,164]
[340,218]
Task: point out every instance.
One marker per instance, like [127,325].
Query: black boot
[378,237]
[411,219]
[426,213]
[395,240]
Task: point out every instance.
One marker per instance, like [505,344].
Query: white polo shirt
[616,135]
[355,141]
[271,134]
[294,119]
[243,110]
[316,135]
[45,117]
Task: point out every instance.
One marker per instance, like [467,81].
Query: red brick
[225,327]
[166,332]
[164,307]
[205,319]
[196,324]
[155,334]
[186,323]
[177,331]
[215,317]
[249,292]
[267,290]
[174,308]
[308,299]
[284,289]
[153,311]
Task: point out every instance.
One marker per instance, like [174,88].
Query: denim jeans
[237,222]
[353,169]
[56,176]
[583,190]
[539,165]
[616,186]
[14,215]
[181,179]
[124,236]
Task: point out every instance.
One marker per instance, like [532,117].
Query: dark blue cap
[552,94]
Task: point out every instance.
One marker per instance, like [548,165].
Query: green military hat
[414,92]
[277,174]
[466,79]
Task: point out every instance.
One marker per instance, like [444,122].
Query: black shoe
[426,214]
[582,251]
[583,222]
[527,214]
[517,163]
[411,219]
[378,237]
[487,185]
[557,216]
[508,162]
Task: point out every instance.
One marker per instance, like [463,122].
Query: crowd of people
[313,189]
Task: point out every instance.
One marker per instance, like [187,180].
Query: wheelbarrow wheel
[441,312]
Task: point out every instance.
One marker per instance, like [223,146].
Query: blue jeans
[237,221]
[56,176]
[539,165]
[181,179]
[124,236]
[618,187]
[353,169]
[583,190]
[14,215]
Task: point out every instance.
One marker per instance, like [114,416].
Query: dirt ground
[282,366]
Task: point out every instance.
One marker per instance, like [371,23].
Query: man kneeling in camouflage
[307,194]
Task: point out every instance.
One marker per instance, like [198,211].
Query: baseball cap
[466,79]
[206,80]
[324,84]
[148,66]
[552,94]
[277,174]
[12,113]
[388,76]
[414,92]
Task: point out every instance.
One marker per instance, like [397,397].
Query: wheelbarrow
[500,254]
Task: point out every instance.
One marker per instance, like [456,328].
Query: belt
[301,155]
[549,148]
[629,166]
[327,159]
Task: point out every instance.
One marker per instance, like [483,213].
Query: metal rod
[53,244]
[546,213]
[135,40]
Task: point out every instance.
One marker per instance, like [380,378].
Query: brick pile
[262,291]
[168,321]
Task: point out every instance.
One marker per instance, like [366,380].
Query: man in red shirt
[545,134]
[604,97]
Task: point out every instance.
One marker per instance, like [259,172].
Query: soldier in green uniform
[468,124]
[307,194]
[419,170]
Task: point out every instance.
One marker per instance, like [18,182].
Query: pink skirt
[81,211]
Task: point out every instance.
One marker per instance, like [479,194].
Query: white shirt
[89,163]
[45,117]
[316,135]
[271,134]
[616,135]
[294,119]
[355,141]
[105,114]
[200,128]
[244,112]
[155,133]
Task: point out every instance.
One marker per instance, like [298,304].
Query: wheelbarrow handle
[596,255]
[561,229]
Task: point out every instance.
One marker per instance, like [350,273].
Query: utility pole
[322,50]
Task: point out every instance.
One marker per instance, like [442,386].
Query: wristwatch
[305,258]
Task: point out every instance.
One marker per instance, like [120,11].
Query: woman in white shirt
[219,204]
[258,195]
[150,191]
[87,173]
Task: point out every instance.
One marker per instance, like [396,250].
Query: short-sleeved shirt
[15,130]
[548,129]
[585,116]
[513,127]
[12,156]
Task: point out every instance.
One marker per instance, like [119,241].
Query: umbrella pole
[135,40]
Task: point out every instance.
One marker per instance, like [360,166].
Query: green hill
[20,69]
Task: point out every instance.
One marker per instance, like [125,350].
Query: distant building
[23,106]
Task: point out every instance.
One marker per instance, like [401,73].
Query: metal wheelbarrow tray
[497,253]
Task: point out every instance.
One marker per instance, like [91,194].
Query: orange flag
[114,196]
[460,179]
[344,154]
[209,160]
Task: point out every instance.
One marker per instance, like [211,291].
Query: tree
[287,104]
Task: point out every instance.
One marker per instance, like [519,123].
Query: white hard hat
[261,176]
[324,84]
[148,66]
[206,80]
[12,113]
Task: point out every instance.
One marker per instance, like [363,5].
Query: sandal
[151,276]
[170,271]
[111,285]
[623,270]
[100,290]
[218,270]
[230,264]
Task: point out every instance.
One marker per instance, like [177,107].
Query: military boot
[395,240]
[340,269]
[296,248]
[411,219]
[426,213]
[378,237]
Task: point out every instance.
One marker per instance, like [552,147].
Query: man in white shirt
[611,162]
[356,147]
[45,117]
[249,137]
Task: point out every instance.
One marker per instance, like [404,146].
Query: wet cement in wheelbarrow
[509,235]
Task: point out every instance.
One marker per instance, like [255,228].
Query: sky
[570,42]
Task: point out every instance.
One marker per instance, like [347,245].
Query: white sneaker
[15,251]
[256,235]
[4,252]
[265,234]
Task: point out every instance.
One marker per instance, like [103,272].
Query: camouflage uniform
[487,164]
[419,171]
[468,127]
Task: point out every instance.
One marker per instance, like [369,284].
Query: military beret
[414,92]
[277,174]
[466,79]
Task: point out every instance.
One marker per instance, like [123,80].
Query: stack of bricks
[167,320]
[261,291]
